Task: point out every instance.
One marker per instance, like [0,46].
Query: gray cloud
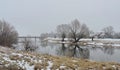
[32,17]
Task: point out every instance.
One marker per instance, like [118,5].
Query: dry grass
[11,67]
[14,57]
[39,66]
[73,63]
[68,62]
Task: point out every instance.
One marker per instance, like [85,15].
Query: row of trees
[75,31]
[110,33]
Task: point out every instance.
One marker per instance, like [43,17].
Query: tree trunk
[77,40]
[79,37]
[63,40]
[92,38]
[63,37]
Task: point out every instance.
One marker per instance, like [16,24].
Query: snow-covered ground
[24,61]
[18,60]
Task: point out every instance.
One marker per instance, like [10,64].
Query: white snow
[62,67]
[20,55]
[116,45]
[114,67]
[28,67]
[74,61]
[96,41]
[100,44]
[22,63]
[50,65]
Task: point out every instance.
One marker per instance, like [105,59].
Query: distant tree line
[76,30]
[110,33]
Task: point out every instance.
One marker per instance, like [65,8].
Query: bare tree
[63,30]
[74,29]
[117,35]
[78,31]
[85,31]
[108,31]
[8,35]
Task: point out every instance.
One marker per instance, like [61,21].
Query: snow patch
[20,55]
[62,67]
[50,65]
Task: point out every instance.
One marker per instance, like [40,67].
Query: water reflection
[106,49]
[97,53]
[43,43]
[109,50]
[73,51]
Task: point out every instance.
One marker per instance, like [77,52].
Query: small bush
[29,45]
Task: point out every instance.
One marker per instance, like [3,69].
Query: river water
[96,53]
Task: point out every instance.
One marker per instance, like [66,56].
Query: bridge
[29,37]
[34,38]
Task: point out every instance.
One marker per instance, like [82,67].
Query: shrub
[29,45]
[8,35]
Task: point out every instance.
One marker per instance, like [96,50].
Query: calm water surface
[98,53]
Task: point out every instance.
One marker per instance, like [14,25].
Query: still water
[97,53]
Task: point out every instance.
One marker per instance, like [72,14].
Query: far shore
[84,42]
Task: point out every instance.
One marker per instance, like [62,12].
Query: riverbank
[95,42]
[20,60]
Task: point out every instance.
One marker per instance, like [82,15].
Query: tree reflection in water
[74,51]
[109,50]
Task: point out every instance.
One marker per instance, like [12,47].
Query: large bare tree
[74,29]
[78,31]
[8,35]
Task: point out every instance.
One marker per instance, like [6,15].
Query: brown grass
[11,67]
[68,62]
[39,66]
[14,57]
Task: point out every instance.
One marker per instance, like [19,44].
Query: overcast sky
[33,17]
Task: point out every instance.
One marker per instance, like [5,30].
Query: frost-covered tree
[8,34]
[108,31]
